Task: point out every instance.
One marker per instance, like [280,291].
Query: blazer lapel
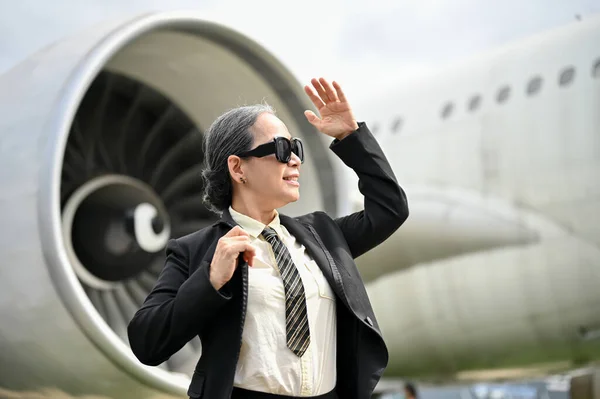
[305,237]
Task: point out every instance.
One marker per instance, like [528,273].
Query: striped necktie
[296,316]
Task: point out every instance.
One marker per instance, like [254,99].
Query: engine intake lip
[59,123]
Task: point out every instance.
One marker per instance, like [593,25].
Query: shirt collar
[253,226]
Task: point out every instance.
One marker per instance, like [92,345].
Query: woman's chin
[286,197]
[292,195]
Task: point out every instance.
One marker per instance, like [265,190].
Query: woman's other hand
[337,119]
[226,255]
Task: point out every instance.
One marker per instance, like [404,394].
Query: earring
[243,180]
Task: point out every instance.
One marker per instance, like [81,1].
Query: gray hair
[229,134]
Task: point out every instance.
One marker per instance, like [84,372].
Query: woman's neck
[265,216]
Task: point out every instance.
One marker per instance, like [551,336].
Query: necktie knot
[268,233]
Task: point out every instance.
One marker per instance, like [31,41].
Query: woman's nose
[294,160]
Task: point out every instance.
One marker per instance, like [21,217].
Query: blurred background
[488,112]
[364,45]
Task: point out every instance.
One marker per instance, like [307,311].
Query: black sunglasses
[282,147]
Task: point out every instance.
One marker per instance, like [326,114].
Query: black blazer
[183,303]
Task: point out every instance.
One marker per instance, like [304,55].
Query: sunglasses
[282,147]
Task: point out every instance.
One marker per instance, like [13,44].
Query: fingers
[249,254]
[249,257]
[229,241]
[231,246]
[237,241]
[326,92]
[237,246]
[312,118]
[329,90]
[340,92]
[320,90]
[314,98]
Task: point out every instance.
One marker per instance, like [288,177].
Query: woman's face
[272,183]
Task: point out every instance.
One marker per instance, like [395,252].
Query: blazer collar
[253,226]
[227,218]
[249,224]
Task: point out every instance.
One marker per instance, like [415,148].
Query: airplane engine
[101,154]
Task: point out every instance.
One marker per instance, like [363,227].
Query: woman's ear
[235,165]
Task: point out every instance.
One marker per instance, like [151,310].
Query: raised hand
[337,119]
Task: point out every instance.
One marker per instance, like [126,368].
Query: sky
[364,45]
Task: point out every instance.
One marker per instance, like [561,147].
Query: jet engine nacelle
[100,164]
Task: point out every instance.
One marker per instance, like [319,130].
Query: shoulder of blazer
[201,238]
[320,221]
[313,218]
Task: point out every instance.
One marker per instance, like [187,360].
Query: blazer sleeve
[175,311]
[385,203]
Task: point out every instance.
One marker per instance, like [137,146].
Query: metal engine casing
[51,334]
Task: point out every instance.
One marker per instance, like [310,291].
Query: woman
[277,301]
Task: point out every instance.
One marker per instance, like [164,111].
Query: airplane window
[503,94]
[396,125]
[447,110]
[534,85]
[566,76]
[474,102]
[596,69]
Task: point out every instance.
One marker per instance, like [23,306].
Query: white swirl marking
[145,236]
